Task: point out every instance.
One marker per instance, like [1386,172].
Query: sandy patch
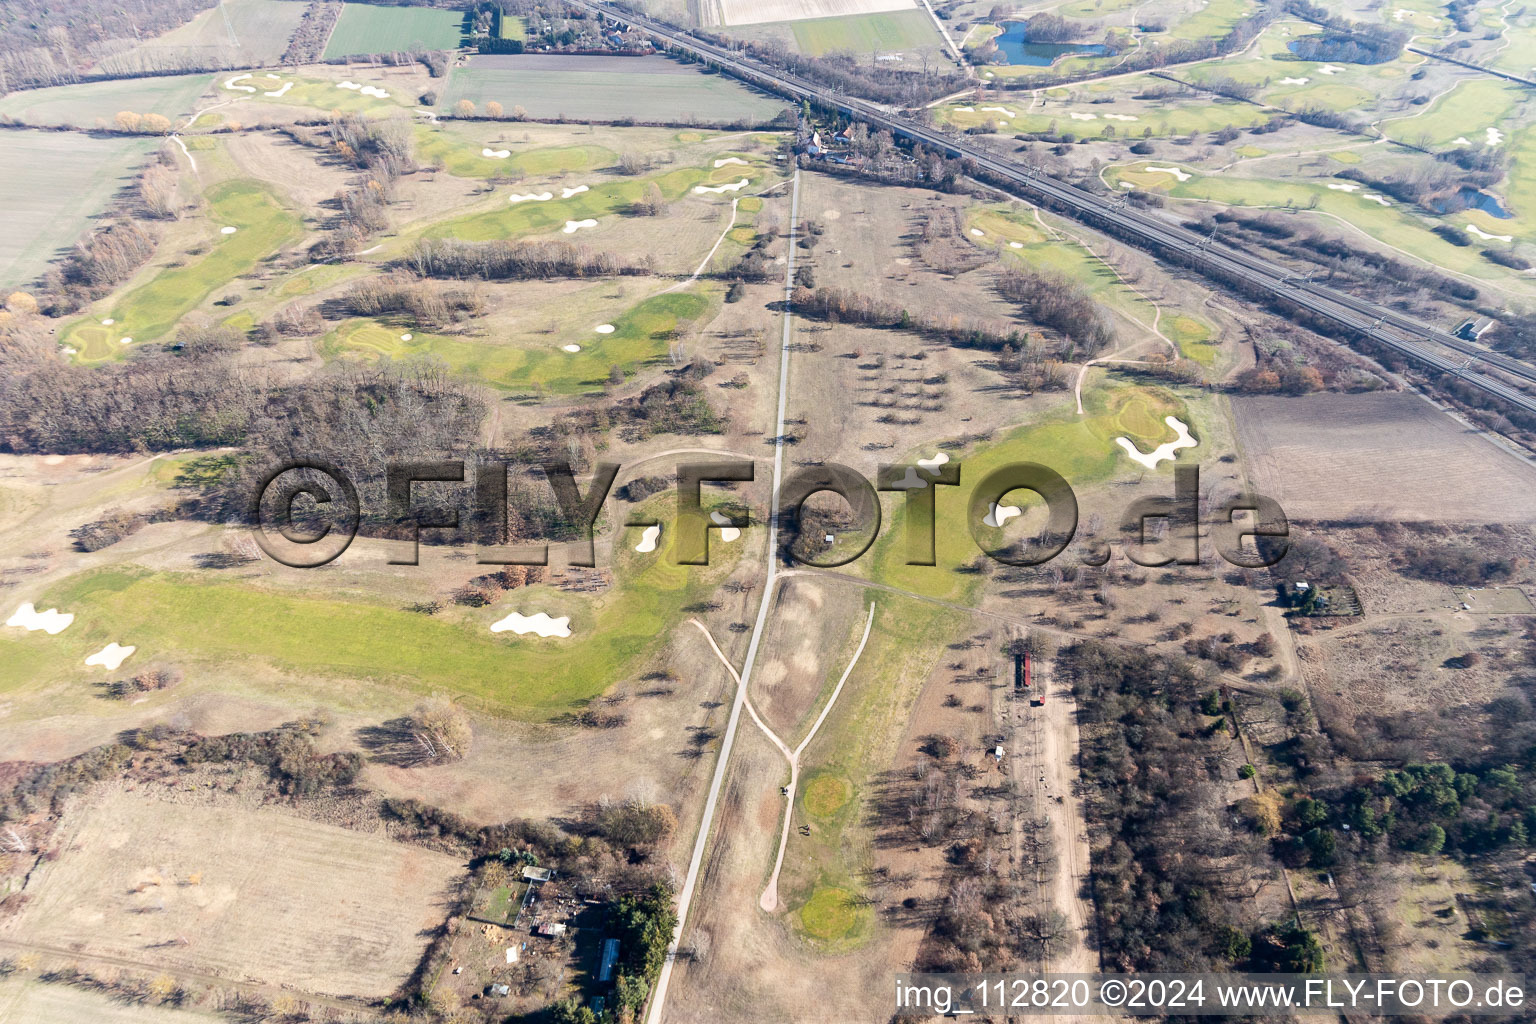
[1485,236]
[1121,117]
[1329,69]
[735,187]
[910,482]
[366,90]
[1181,175]
[965,110]
[1294,81]
[1163,451]
[1348,187]
[933,463]
[1000,514]
[572,347]
[280,92]
[566,193]
[1495,137]
[232,84]
[108,322]
[540,623]
[1015,245]
[1076,116]
[977,232]
[573,226]
[52,621]
[604,328]
[531,197]
[406,337]
[1127,184]
[728,532]
[1001,110]
[495,154]
[730,160]
[1376,198]
[1461,140]
[228,230]
[125,340]
[648,539]
[110,656]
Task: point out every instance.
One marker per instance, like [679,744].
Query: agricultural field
[95,104]
[865,33]
[606,88]
[231,33]
[138,874]
[368,28]
[39,1002]
[59,182]
[740,12]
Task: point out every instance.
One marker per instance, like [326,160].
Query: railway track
[1422,343]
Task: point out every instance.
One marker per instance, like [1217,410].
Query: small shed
[531,874]
[550,929]
[610,958]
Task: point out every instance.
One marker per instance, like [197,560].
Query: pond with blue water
[1015,44]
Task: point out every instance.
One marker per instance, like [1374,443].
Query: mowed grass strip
[461,156]
[187,616]
[150,311]
[640,336]
[366,28]
[863,33]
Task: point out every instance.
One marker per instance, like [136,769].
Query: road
[1399,332]
[690,881]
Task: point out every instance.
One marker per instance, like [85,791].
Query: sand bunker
[1015,245]
[1485,236]
[910,482]
[978,232]
[228,230]
[366,90]
[110,656]
[1494,136]
[1373,197]
[230,84]
[572,347]
[531,197]
[1127,184]
[604,328]
[736,187]
[1329,69]
[730,160]
[566,193]
[728,532]
[496,154]
[1121,117]
[280,92]
[648,539]
[406,337]
[1294,81]
[965,110]
[1351,187]
[108,322]
[1162,451]
[1001,110]
[1000,514]
[541,624]
[573,226]
[932,465]
[125,340]
[1074,115]
[1461,140]
[52,621]
[1181,175]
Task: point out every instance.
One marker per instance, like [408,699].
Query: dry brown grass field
[245,893]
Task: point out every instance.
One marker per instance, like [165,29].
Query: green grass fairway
[151,310]
[1165,121]
[640,337]
[90,104]
[366,28]
[192,618]
[1193,338]
[231,33]
[461,156]
[863,33]
[56,183]
[1213,20]
[830,915]
[607,89]
[1467,111]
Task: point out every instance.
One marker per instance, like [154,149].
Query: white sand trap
[566,193]
[125,340]
[232,84]
[573,226]
[1294,81]
[273,77]
[1000,514]
[932,465]
[604,328]
[70,350]
[965,110]
[648,539]
[1074,115]
[978,232]
[728,532]
[348,85]
[228,230]
[1002,120]
[1121,117]
[531,197]
[572,347]
[406,337]
[541,624]
[1015,245]
[1494,136]
[52,621]
[1181,175]
[730,160]
[1001,110]
[1127,184]
[1162,451]
[1350,187]
[495,154]
[1329,69]
[910,482]
[735,187]
[1375,198]
[1485,236]
[280,92]
[375,91]
[1461,140]
[110,656]
[108,322]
